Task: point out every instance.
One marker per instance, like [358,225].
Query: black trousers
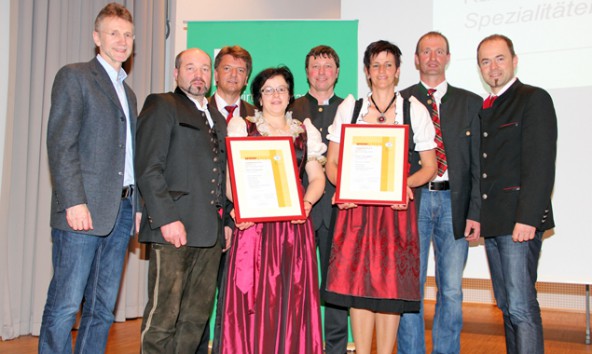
[181,290]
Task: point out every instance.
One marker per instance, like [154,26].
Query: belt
[126,192]
[438,186]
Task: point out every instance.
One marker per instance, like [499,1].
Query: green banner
[274,43]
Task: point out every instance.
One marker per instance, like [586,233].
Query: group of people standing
[476,168]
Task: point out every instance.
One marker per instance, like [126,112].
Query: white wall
[4,55]
[539,40]
[382,19]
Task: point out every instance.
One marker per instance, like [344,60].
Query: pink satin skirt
[272,301]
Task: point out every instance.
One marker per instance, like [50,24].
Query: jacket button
[484,196]
[485,134]
[484,155]
[320,109]
[485,175]
[213,180]
[468,133]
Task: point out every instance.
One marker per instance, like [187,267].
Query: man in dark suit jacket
[320,105]
[232,68]
[181,173]
[90,144]
[518,150]
[448,207]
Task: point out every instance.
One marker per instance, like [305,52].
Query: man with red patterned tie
[232,68]
[448,207]
[518,150]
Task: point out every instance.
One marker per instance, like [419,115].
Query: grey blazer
[459,113]
[86,134]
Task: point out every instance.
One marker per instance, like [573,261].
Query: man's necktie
[230,110]
[489,101]
[440,154]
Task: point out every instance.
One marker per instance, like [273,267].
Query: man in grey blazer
[448,207]
[90,143]
[181,173]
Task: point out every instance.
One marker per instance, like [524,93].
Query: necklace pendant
[381,118]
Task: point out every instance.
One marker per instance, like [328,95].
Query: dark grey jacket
[86,134]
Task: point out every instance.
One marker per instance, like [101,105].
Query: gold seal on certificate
[372,164]
[264,179]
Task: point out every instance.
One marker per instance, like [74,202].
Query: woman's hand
[307,209]
[405,205]
[343,206]
[243,225]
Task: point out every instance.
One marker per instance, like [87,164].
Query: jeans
[89,267]
[513,267]
[435,226]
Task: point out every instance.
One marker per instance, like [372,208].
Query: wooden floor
[482,333]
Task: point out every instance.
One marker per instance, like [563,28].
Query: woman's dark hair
[378,47]
[267,74]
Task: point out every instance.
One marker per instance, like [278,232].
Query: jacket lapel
[104,83]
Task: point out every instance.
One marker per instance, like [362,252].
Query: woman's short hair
[266,74]
[378,47]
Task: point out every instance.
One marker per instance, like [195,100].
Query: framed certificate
[264,179]
[372,164]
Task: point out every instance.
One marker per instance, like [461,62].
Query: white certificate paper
[366,161]
[260,183]
[263,179]
[372,164]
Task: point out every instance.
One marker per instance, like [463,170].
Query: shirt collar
[441,89]
[113,75]
[325,102]
[199,106]
[506,87]
[220,102]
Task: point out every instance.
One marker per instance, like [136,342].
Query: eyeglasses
[268,91]
[117,35]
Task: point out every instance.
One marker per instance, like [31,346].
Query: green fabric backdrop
[274,43]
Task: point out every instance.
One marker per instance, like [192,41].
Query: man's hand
[523,232]
[227,238]
[174,233]
[472,230]
[138,220]
[78,218]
